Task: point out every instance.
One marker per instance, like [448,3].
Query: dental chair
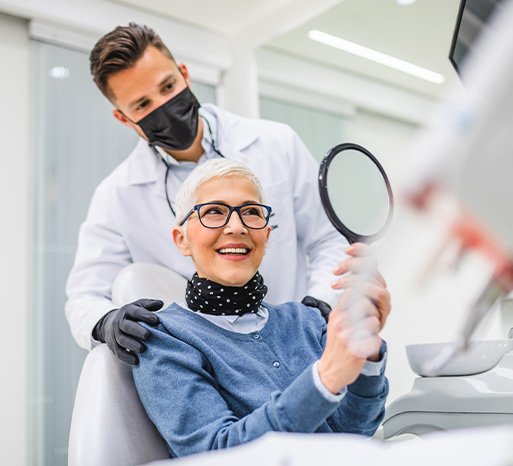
[109,425]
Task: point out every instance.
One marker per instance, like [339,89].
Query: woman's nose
[235,224]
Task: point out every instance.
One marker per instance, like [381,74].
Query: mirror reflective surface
[358,192]
[355,192]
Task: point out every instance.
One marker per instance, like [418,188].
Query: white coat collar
[234,134]
[143,164]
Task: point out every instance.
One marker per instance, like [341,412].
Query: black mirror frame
[350,235]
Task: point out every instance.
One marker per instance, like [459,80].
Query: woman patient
[224,367]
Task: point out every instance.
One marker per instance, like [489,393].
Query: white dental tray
[481,356]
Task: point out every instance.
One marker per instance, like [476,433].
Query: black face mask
[173,125]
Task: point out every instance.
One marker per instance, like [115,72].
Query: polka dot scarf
[209,297]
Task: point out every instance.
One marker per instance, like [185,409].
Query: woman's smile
[234,251]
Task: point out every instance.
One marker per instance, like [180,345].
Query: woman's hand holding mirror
[365,301]
[358,200]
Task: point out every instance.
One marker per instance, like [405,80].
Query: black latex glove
[121,331]
[323,307]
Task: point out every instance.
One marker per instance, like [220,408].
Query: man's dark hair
[119,50]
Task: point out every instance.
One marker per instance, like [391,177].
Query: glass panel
[78,143]
[204,92]
[320,130]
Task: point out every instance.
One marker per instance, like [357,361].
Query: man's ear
[180,241]
[119,115]
[184,71]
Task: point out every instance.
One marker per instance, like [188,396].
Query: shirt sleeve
[101,254]
[322,388]
[324,246]
[181,396]
[373,368]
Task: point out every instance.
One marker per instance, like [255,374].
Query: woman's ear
[267,234]
[180,240]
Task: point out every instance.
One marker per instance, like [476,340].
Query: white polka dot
[247,305]
[254,297]
[224,313]
[235,293]
[218,296]
[211,292]
[222,289]
[206,302]
[227,300]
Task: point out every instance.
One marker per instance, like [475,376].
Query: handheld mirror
[355,193]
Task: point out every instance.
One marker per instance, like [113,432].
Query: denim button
[276,364]
[256,336]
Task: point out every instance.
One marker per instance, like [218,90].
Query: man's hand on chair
[323,307]
[122,333]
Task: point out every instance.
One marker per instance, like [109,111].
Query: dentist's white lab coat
[129,221]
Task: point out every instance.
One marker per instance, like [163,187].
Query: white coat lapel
[234,133]
[143,164]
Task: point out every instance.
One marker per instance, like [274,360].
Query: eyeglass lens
[216,215]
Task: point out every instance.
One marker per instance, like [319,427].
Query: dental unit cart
[443,403]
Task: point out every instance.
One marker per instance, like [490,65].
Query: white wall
[15,253]
[342,87]
[388,138]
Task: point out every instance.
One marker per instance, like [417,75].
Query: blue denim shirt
[208,388]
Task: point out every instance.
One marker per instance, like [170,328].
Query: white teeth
[233,251]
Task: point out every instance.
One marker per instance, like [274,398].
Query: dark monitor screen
[473,18]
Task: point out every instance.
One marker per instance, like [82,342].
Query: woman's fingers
[365,347]
[354,280]
[364,300]
[359,249]
[377,294]
[360,337]
[360,264]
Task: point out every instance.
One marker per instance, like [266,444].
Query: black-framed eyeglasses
[218,214]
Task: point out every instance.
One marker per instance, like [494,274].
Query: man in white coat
[131,214]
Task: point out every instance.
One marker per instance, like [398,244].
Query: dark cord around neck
[168,166]
[214,146]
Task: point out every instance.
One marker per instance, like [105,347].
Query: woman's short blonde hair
[187,195]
